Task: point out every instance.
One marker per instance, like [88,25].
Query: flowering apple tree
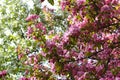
[88,49]
[86,45]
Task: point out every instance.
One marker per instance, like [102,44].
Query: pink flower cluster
[3,73]
[80,2]
[89,48]
[31,78]
[41,27]
[24,78]
[29,31]
[37,28]
[64,3]
[32,17]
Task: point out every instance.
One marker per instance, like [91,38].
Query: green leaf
[51,2]
[87,54]
[58,67]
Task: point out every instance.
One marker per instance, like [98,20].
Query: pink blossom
[64,4]
[74,30]
[105,8]
[115,2]
[24,78]
[34,37]
[104,54]
[108,1]
[56,38]
[3,73]
[33,78]
[99,68]
[83,76]
[35,60]
[20,56]
[29,31]
[36,66]
[116,52]
[52,67]
[41,27]
[80,2]
[50,44]
[26,62]
[43,54]
[111,36]
[32,17]
[117,78]
[26,72]
[82,24]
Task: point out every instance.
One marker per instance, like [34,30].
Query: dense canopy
[78,41]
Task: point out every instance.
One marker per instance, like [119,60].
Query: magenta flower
[74,30]
[117,78]
[29,31]
[41,27]
[64,4]
[24,78]
[105,8]
[33,78]
[32,17]
[20,56]
[108,1]
[115,2]
[3,73]
[52,67]
[50,44]
[80,2]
